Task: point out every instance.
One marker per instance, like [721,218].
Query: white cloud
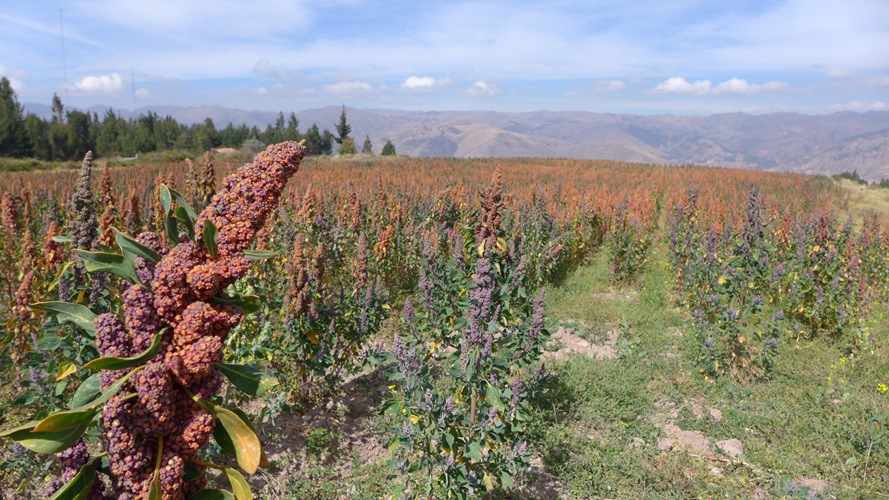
[733,86]
[610,85]
[143,94]
[679,85]
[102,84]
[264,68]
[348,89]
[14,78]
[602,87]
[882,81]
[840,74]
[774,108]
[482,88]
[738,86]
[421,84]
[861,106]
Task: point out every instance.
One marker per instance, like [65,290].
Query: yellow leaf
[481,249]
[248,451]
[501,244]
[240,487]
[65,368]
[313,337]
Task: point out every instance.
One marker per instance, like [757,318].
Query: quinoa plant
[631,235]
[827,285]
[318,313]
[462,364]
[160,366]
[734,333]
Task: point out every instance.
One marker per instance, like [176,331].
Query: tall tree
[292,131]
[367,148]
[327,142]
[279,128]
[205,136]
[313,140]
[388,149]
[58,110]
[38,137]
[109,132]
[13,137]
[343,129]
[80,134]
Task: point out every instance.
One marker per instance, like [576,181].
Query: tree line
[69,133]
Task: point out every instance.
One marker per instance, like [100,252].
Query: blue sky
[643,57]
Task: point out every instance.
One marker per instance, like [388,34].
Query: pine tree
[58,110]
[13,137]
[292,131]
[388,149]
[342,128]
[368,148]
[327,142]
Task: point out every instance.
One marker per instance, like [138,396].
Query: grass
[863,199]
[809,421]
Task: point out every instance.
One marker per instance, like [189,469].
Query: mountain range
[813,144]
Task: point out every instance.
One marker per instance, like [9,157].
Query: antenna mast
[64,61]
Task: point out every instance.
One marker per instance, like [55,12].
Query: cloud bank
[733,86]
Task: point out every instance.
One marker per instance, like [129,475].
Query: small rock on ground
[731,447]
[815,486]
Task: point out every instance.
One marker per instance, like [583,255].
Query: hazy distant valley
[824,144]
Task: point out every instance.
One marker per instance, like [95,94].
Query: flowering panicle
[24,295]
[354,211]
[9,212]
[487,229]
[133,220]
[29,250]
[359,265]
[207,186]
[83,225]
[384,244]
[182,283]
[53,251]
[106,194]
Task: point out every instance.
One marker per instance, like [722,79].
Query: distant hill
[817,144]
